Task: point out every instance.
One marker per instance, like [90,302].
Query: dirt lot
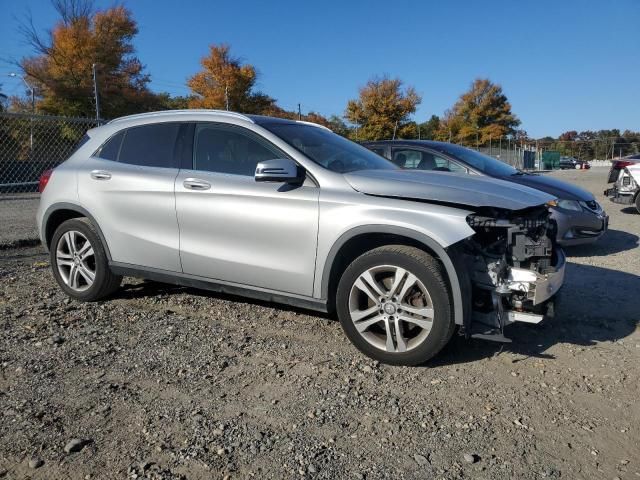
[167,382]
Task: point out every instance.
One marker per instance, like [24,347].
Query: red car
[618,165]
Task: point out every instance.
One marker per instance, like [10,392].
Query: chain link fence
[29,145]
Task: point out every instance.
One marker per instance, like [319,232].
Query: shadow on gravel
[595,305]
[150,288]
[613,241]
[631,210]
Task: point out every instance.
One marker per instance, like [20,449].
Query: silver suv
[289,212]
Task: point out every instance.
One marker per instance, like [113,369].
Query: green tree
[61,69]
[382,109]
[481,113]
[225,81]
[429,129]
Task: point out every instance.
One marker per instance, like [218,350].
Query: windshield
[479,161]
[329,150]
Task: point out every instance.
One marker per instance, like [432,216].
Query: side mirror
[279,170]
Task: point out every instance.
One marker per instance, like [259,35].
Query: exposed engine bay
[511,268]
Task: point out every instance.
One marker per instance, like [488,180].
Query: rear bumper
[616,196]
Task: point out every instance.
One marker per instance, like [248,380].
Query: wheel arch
[360,239]
[63,211]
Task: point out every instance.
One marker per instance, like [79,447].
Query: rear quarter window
[147,145]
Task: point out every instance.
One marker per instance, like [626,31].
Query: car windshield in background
[477,160]
[329,150]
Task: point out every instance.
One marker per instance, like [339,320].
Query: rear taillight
[620,165]
[44,179]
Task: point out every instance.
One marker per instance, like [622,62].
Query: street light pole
[33,106]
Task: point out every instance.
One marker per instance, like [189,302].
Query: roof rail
[182,112]
[313,124]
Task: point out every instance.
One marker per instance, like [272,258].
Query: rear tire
[638,202]
[79,261]
[394,305]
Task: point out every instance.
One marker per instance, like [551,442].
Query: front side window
[229,150]
[422,160]
[327,149]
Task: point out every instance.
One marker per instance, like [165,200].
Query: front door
[237,230]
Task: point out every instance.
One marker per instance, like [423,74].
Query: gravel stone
[161,378]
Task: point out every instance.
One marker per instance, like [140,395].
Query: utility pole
[33,106]
[419,132]
[299,113]
[395,128]
[95,92]
[226,97]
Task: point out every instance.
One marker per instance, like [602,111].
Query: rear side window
[150,145]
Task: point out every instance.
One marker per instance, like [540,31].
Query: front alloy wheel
[391,308]
[394,305]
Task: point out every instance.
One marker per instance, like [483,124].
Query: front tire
[79,261]
[638,202]
[394,305]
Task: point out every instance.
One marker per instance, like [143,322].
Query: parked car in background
[618,165]
[579,217]
[571,163]
[290,212]
[626,189]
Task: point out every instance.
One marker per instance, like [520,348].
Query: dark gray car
[579,217]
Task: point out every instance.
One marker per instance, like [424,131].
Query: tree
[481,113]
[166,102]
[61,70]
[382,109]
[226,81]
[338,125]
[429,129]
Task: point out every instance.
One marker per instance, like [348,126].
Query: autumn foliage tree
[384,107]
[62,67]
[225,79]
[481,113]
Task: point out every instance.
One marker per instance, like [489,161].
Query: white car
[626,190]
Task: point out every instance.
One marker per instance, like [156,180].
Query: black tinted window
[150,145]
[109,150]
[228,150]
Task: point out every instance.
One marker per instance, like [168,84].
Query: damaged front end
[510,269]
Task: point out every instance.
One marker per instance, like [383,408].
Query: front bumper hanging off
[539,290]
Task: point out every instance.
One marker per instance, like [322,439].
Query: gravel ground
[169,382]
[18,218]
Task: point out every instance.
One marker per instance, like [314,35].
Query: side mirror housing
[279,170]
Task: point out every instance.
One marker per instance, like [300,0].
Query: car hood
[462,189]
[552,186]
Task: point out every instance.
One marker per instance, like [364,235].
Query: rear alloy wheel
[394,305]
[76,261]
[79,261]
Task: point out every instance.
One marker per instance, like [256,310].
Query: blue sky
[563,64]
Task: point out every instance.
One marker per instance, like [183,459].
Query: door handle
[196,184]
[100,175]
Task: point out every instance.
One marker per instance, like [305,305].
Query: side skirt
[186,280]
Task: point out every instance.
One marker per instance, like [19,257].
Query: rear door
[232,228]
[128,186]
